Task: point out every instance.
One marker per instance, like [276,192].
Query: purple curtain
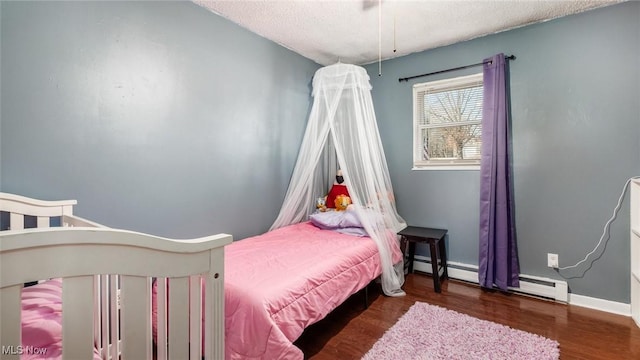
[498,263]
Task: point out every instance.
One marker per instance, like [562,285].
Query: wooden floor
[350,331]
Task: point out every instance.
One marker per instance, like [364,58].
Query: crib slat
[178,317]
[161,320]
[42,222]
[16,221]
[195,317]
[103,329]
[214,307]
[97,315]
[114,319]
[135,320]
[10,312]
[77,317]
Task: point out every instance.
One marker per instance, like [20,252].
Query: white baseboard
[531,285]
[600,304]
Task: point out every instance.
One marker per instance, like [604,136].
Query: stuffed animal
[321,203]
[342,202]
[338,188]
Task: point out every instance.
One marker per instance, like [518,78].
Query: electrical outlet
[552,260]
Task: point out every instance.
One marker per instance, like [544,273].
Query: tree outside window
[448,123]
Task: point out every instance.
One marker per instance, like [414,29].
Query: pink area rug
[432,332]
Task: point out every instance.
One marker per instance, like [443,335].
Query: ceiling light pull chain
[394,32]
[379,37]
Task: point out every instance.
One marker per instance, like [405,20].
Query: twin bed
[114,294]
[280,282]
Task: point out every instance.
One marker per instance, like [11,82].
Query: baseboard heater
[530,285]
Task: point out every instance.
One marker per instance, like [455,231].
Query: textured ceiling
[348,30]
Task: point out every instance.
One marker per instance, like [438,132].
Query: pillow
[345,222]
[330,220]
[355,231]
[350,220]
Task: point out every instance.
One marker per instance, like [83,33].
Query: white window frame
[436,86]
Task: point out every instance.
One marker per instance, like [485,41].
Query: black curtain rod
[510,57]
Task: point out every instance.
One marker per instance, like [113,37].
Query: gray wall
[164,118]
[159,117]
[575,90]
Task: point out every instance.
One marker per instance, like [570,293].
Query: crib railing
[44,211]
[107,279]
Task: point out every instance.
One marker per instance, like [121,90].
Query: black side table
[435,238]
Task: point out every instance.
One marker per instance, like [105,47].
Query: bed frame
[107,277]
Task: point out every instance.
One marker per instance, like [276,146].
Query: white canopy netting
[342,133]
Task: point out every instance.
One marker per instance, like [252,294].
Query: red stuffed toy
[337,189]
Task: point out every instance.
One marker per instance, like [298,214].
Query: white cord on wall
[606,226]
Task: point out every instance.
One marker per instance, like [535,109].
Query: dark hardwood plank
[350,331]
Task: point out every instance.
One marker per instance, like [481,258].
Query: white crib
[107,278]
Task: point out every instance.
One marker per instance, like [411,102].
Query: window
[447,123]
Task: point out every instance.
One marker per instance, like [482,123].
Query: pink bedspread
[42,321]
[280,282]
